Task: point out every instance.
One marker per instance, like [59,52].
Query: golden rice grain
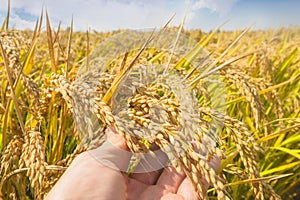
[33,157]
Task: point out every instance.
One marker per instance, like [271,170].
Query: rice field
[227,94]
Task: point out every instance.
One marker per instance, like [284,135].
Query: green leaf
[293,152]
[281,168]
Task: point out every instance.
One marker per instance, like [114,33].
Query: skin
[107,183]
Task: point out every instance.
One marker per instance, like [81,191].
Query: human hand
[95,175]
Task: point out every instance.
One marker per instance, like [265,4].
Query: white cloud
[30,6]
[109,14]
[106,15]
[20,23]
[98,14]
[220,6]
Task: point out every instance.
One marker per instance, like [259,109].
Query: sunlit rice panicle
[10,155]
[248,149]
[188,160]
[81,99]
[45,99]
[273,98]
[142,111]
[33,157]
[87,90]
[93,83]
[236,133]
[32,92]
[196,169]
[104,114]
[244,84]
[13,42]
[10,45]
[62,86]
[240,135]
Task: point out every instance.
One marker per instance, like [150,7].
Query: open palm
[89,177]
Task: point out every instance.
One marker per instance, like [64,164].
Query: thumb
[113,152]
[116,139]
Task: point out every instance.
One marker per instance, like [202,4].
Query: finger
[148,178]
[171,196]
[139,190]
[113,152]
[150,167]
[170,179]
[152,162]
[86,179]
[135,188]
[116,139]
[186,190]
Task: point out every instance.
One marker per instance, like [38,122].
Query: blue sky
[104,15]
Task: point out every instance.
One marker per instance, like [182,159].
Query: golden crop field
[227,94]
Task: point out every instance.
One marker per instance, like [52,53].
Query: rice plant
[232,95]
